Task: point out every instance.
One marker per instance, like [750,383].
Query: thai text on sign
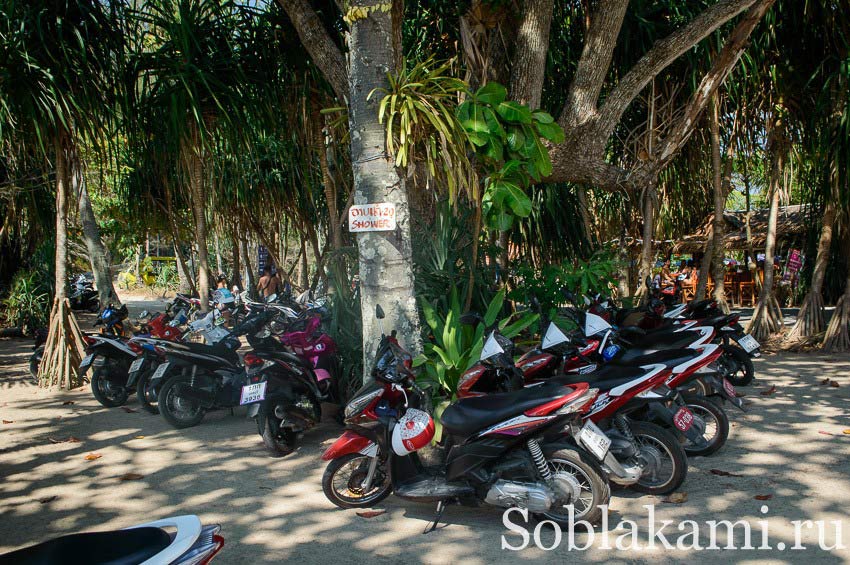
[372,217]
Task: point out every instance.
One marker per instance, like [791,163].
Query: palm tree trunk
[64,346]
[386,258]
[250,279]
[810,319]
[98,254]
[705,266]
[767,317]
[722,179]
[647,248]
[193,162]
[837,338]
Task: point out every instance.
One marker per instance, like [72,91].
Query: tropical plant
[453,347]
[27,305]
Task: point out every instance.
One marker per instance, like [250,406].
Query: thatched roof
[790,228]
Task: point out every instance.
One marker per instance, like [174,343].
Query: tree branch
[532,45]
[318,43]
[662,54]
[594,62]
[723,64]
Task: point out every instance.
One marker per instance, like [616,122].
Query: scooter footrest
[432,489]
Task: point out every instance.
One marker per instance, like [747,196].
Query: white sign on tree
[372,217]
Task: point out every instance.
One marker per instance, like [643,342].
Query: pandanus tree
[187,70]
[54,60]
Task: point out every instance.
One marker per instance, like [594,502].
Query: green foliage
[454,347]
[506,137]
[346,327]
[579,277]
[28,304]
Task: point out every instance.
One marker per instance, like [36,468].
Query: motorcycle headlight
[357,405]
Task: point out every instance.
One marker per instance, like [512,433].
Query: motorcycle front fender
[350,442]
[254,410]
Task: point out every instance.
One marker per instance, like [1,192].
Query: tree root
[837,338]
[63,349]
[810,319]
[767,318]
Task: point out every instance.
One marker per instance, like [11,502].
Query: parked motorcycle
[495,448]
[181,540]
[290,387]
[39,339]
[82,295]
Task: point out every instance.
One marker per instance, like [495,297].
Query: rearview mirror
[379,312]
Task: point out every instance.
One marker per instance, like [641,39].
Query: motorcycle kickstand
[441,507]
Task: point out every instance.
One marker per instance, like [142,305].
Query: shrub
[28,303]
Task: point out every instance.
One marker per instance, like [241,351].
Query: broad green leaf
[514,112]
[552,132]
[514,329]
[516,139]
[491,93]
[494,308]
[542,117]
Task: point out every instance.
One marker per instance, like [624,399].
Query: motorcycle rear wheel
[716,420]
[105,391]
[740,370]
[343,490]
[177,411]
[278,442]
[145,394]
[656,442]
[588,476]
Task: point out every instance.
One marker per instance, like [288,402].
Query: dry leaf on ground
[127,409]
[677,498]
[8,421]
[763,496]
[47,499]
[130,477]
[769,391]
[67,402]
[371,513]
[720,473]
[93,456]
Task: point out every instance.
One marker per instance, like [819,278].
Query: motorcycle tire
[146,396]
[710,413]
[35,362]
[278,443]
[94,306]
[105,392]
[741,370]
[589,475]
[660,443]
[179,412]
[357,476]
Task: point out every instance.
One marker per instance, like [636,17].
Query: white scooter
[180,540]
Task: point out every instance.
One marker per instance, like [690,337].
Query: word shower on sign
[372,217]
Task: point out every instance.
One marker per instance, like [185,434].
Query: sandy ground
[790,448]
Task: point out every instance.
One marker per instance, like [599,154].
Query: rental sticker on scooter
[372,217]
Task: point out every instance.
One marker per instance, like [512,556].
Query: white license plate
[86,361]
[748,343]
[253,393]
[594,440]
[160,371]
[136,365]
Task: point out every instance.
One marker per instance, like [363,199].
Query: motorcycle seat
[605,379]
[699,304]
[470,415]
[654,342]
[116,547]
[668,357]
[217,350]
[715,320]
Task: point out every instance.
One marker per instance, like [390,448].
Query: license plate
[683,419]
[136,365]
[729,388]
[253,393]
[160,371]
[594,440]
[86,361]
[748,343]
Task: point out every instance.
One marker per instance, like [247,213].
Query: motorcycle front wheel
[105,391]
[344,477]
[278,442]
[582,482]
[177,410]
[666,462]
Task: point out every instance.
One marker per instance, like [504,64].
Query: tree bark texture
[722,179]
[98,254]
[386,258]
[194,169]
[532,45]
[837,338]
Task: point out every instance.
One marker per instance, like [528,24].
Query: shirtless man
[269,284]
